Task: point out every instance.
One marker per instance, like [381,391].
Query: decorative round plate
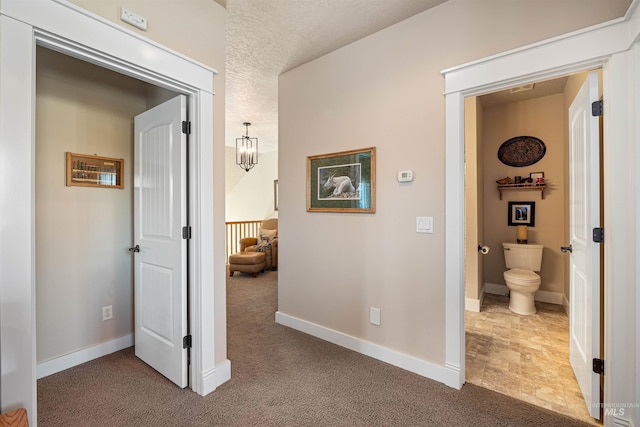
[521,151]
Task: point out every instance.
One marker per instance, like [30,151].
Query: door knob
[566,249]
[136,248]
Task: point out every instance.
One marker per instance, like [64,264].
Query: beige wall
[471,274]
[249,195]
[474,198]
[194,28]
[542,118]
[82,234]
[386,91]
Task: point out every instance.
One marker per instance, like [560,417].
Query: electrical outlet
[107,312]
[134,19]
[374,316]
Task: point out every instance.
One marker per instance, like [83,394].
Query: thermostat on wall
[405,176]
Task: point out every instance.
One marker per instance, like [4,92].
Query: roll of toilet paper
[484,250]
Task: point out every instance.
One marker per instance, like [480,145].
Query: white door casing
[160,267]
[584,266]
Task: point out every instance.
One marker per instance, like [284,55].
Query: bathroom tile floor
[526,357]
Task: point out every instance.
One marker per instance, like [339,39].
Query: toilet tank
[523,256]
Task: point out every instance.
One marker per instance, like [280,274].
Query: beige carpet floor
[280,377]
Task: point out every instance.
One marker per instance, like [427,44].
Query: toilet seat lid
[521,276]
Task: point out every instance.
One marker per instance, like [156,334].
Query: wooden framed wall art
[342,182]
[94,171]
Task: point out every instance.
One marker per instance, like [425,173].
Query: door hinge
[186,342]
[186,128]
[598,366]
[598,235]
[596,108]
[186,232]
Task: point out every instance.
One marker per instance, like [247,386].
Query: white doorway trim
[606,46]
[70,30]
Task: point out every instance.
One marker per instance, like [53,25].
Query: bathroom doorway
[526,357]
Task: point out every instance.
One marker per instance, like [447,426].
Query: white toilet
[522,260]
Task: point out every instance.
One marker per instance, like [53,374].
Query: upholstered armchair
[267,242]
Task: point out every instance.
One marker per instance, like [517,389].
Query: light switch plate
[424,224]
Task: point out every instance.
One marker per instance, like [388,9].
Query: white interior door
[584,206]
[161,263]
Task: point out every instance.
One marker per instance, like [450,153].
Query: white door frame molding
[611,46]
[63,27]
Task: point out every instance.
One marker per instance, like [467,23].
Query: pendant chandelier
[246,150]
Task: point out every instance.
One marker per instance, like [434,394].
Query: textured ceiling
[268,37]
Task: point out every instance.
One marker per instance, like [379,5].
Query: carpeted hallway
[280,377]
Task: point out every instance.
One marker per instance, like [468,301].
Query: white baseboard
[542,296]
[454,375]
[565,303]
[495,289]
[550,297]
[215,377]
[53,366]
[472,304]
[210,380]
[444,374]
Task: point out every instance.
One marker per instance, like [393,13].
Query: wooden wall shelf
[94,171]
[522,187]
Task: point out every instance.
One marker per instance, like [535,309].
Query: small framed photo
[535,175]
[342,182]
[522,213]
